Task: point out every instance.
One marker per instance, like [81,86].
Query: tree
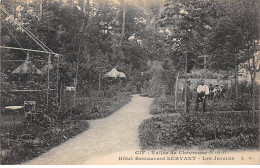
[236,36]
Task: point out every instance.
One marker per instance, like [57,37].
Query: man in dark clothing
[223,91]
[138,87]
[202,92]
[217,92]
[211,93]
[188,95]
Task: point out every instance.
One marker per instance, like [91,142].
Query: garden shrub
[41,140]
[194,130]
[99,107]
[242,103]
[163,104]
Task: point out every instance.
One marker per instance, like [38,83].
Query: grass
[10,117]
[20,145]
[21,142]
[100,107]
[163,105]
[171,128]
[232,131]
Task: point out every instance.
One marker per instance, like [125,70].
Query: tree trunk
[48,81]
[119,52]
[76,79]
[253,87]
[176,92]
[123,24]
[41,10]
[0,78]
[87,5]
[57,80]
[252,70]
[185,83]
[99,82]
[236,87]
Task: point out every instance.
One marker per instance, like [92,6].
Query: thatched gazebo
[27,68]
[115,74]
[27,74]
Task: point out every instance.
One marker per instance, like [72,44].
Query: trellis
[46,51]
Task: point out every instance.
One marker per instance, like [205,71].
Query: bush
[194,130]
[99,106]
[23,150]
[111,91]
[242,103]
[163,104]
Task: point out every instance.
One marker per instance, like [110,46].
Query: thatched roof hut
[27,68]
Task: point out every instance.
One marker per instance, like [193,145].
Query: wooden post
[76,80]
[48,81]
[176,92]
[41,10]
[84,7]
[236,87]
[1,80]
[253,87]
[75,92]
[57,80]
[61,91]
[185,83]
[205,65]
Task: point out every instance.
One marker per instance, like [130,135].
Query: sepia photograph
[129,82]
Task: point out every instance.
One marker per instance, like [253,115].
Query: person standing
[223,91]
[188,95]
[211,93]
[217,92]
[202,92]
[138,87]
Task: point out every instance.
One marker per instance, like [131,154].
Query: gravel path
[105,138]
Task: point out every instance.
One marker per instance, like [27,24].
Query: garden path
[105,141]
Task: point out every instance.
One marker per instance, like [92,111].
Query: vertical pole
[75,92]
[253,88]
[57,80]
[41,10]
[176,92]
[99,81]
[205,65]
[185,83]
[236,87]
[61,92]
[14,121]
[76,80]
[0,79]
[48,81]
[84,7]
